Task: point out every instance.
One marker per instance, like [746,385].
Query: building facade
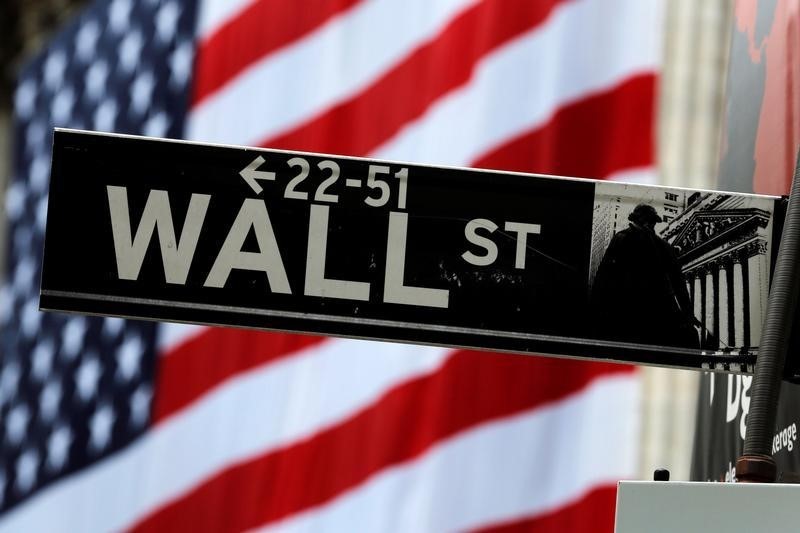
[723,248]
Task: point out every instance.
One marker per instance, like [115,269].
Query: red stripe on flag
[594,513]
[405,92]
[593,137]
[189,370]
[471,388]
[259,30]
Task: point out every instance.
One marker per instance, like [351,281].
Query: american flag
[113,425]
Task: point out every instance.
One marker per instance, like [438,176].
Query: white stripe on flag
[215,13]
[563,65]
[643,175]
[334,62]
[485,475]
[251,414]
[171,334]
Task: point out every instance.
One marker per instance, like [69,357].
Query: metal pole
[756,463]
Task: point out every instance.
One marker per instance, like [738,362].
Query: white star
[87,377]
[180,64]
[62,105]
[105,116]
[72,336]
[86,40]
[119,15]
[54,67]
[15,200]
[58,447]
[35,137]
[41,213]
[9,381]
[49,400]
[156,125]
[31,318]
[96,79]
[142,91]
[24,273]
[129,356]
[112,326]
[17,423]
[27,467]
[100,427]
[140,405]
[40,172]
[25,98]
[167,21]
[42,360]
[129,50]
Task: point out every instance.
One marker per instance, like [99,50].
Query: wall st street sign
[170,230]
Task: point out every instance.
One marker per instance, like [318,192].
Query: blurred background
[108,425]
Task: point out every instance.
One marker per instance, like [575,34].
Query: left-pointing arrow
[250,174]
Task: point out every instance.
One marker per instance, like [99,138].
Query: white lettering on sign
[176,254]
[522,229]
[738,399]
[784,439]
[251,173]
[316,282]
[253,214]
[471,233]
[732,403]
[394,288]
[379,194]
[730,473]
[374,182]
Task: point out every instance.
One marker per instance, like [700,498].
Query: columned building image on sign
[722,244]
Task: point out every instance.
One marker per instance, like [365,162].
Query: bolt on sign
[271,239]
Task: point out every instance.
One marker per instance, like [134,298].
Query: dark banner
[170,230]
[762,138]
[723,407]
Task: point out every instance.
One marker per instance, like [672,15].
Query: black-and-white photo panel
[680,267]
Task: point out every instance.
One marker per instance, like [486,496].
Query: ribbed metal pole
[756,463]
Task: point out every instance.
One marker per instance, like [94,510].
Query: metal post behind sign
[756,463]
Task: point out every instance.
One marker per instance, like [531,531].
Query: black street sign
[269,239]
